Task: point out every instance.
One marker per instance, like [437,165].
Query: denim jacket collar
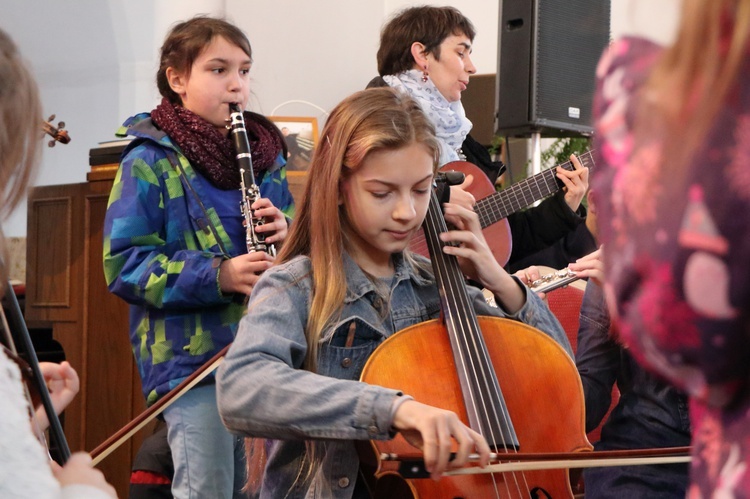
[358,284]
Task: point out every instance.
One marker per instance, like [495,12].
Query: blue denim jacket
[263,390]
[650,412]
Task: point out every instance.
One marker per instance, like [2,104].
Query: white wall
[655,19]
[95,60]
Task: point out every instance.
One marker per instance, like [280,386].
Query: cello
[459,363]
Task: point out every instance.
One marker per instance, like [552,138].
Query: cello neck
[486,409]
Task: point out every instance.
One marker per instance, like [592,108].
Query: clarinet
[250,191]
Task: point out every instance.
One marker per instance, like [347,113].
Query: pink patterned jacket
[678,261]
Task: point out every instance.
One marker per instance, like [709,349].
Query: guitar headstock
[58,133]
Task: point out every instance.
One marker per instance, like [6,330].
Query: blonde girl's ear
[419,55]
[177,81]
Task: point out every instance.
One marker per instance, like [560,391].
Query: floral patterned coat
[678,261]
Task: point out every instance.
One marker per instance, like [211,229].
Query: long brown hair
[367,121]
[20,144]
[694,76]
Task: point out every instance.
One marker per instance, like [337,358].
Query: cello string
[473,342]
[434,225]
[485,377]
[437,224]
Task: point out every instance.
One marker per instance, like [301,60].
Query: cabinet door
[66,291]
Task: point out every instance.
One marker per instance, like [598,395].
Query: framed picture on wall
[301,135]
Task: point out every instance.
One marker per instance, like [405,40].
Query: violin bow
[19,324]
[123,434]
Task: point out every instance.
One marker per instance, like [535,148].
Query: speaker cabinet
[548,52]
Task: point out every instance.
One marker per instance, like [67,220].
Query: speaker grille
[570,38]
[548,53]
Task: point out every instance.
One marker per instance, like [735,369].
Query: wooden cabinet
[66,291]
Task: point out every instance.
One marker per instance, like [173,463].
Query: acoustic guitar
[493,207]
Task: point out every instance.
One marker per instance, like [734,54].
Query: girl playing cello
[343,283]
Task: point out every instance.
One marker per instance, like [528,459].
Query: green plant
[496,145]
[561,149]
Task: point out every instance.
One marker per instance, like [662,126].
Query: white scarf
[450,121]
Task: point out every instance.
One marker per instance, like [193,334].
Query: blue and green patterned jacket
[162,257]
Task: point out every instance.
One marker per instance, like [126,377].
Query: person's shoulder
[145,151]
[150,144]
[297,269]
[632,55]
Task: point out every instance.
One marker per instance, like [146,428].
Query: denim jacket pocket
[345,354]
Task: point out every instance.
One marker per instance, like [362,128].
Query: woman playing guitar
[426,52]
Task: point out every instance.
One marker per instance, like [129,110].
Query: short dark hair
[427,25]
[187,40]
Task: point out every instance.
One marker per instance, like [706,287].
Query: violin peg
[51,143]
[61,125]
[51,117]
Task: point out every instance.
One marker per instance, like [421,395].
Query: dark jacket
[650,412]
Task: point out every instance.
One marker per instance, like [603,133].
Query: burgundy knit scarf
[211,152]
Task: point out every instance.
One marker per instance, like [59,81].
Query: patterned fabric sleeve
[150,259]
[677,250]
[275,187]
[677,260]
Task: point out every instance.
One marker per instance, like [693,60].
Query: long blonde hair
[20,141]
[694,76]
[367,121]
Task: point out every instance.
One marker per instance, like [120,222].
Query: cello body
[541,388]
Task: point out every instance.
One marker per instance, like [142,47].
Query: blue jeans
[209,462]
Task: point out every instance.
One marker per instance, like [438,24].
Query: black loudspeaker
[548,52]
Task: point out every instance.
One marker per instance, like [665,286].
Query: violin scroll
[58,133]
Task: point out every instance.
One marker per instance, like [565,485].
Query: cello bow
[412,463]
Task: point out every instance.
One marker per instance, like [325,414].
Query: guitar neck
[518,196]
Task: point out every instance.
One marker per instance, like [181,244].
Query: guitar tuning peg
[61,125]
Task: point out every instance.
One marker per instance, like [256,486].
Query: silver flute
[250,191]
[554,280]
